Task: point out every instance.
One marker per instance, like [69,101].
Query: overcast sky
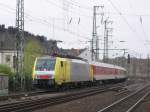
[73,22]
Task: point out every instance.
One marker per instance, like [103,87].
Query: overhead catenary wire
[125,20]
[55,4]
[88,9]
[41,20]
[144,33]
[77,4]
[111,13]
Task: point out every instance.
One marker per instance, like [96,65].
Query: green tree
[32,50]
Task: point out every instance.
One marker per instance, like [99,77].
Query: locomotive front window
[45,64]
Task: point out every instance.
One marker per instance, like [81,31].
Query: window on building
[8,58]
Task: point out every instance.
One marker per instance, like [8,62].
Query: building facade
[7,57]
[86,54]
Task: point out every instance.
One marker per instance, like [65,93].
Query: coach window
[125,72]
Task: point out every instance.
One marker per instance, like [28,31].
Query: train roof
[78,61]
[107,65]
[72,60]
[46,57]
[64,56]
[83,61]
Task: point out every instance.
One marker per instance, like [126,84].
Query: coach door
[64,69]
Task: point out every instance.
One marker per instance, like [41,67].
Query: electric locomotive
[52,71]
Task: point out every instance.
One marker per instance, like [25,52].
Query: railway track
[128,103]
[15,96]
[34,93]
[29,105]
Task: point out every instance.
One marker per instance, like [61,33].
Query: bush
[5,69]
[14,79]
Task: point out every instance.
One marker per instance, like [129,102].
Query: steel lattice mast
[95,38]
[107,34]
[95,41]
[20,38]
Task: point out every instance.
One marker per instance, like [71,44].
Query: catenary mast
[20,39]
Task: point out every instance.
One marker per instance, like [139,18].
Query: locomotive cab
[44,70]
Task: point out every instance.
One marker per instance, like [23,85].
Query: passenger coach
[108,72]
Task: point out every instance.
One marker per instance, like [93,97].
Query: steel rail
[43,102]
[122,99]
[19,95]
[138,102]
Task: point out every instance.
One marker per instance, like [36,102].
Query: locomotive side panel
[80,72]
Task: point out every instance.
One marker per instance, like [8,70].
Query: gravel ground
[88,104]
[39,96]
[31,97]
[145,106]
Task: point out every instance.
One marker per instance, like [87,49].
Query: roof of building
[8,39]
